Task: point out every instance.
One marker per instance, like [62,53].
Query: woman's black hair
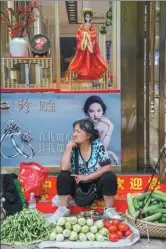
[87,12]
[87,126]
[91,100]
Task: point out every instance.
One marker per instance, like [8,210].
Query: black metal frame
[72,5]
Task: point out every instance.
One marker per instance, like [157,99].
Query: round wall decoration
[40,45]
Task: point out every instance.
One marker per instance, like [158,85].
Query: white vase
[18,47]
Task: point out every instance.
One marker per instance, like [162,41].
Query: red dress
[88,62]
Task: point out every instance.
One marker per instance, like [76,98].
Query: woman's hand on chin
[80,178]
[71,144]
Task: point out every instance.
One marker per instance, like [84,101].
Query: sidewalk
[142,244]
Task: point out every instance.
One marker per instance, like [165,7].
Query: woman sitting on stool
[94,166]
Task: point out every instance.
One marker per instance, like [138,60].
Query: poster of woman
[95,110]
[38,126]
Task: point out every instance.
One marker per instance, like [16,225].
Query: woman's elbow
[64,166]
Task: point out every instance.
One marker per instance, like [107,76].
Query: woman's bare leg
[64,200]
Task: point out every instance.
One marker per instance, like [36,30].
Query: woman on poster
[95,109]
[88,62]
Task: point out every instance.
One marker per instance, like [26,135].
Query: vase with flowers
[18,23]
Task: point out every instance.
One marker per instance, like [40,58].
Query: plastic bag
[31,177]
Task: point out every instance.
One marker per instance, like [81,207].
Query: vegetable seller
[94,166]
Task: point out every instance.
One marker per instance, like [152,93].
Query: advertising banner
[37,126]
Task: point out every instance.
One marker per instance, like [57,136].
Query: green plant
[103,30]
[109,15]
[108,21]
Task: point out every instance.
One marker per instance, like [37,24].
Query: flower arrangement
[18,21]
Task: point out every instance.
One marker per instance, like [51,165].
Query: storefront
[47,74]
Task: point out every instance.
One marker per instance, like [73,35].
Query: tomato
[128,233]
[107,223]
[113,237]
[123,227]
[120,234]
[116,222]
[112,229]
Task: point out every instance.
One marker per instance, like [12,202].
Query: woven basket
[155,230]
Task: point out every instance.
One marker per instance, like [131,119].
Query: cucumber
[158,199]
[153,199]
[154,202]
[136,203]
[147,203]
[161,197]
[152,208]
[164,204]
[161,203]
[150,213]
[160,193]
[162,220]
[153,217]
[131,207]
[142,197]
[162,210]
[140,203]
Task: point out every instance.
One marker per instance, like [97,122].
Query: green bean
[25,227]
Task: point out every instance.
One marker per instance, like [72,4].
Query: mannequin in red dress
[88,62]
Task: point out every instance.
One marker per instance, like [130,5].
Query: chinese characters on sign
[47,106]
[120,183]
[44,106]
[126,184]
[51,142]
[24,105]
[47,184]
[136,184]
[154,184]
[131,184]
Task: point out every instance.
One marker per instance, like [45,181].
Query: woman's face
[95,112]
[79,136]
[87,18]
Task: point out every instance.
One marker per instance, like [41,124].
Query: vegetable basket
[156,230]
